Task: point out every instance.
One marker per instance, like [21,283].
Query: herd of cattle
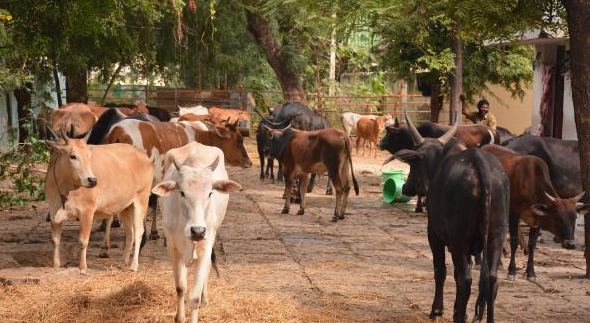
[110,162]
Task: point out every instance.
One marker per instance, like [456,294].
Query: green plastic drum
[393,180]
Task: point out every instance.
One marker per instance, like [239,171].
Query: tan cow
[76,118]
[86,181]
[220,115]
[368,130]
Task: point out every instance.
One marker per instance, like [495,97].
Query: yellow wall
[511,113]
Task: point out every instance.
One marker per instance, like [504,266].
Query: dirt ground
[374,266]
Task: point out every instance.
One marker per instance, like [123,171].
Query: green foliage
[21,173]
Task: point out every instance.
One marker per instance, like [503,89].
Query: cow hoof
[334,218]
[435,313]
[103,254]
[341,217]
[285,211]
[511,277]
[133,267]
[154,235]
[300,212]
[48,218]
[531,278]
[418,210]
[116,224]
[329,192]
[83,271]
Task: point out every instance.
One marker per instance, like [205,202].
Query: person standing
[482,114]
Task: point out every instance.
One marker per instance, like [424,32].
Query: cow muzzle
[198,233]
[568,244]
[91,182]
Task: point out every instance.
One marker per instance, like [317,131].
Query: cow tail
[485,289]
[354,182]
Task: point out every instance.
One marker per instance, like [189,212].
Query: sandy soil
[374,266]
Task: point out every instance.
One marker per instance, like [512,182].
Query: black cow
[467,203]
[263,146]
[561,156]
[397,137]
[162,114]
[108,119]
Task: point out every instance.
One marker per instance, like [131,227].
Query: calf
[86,181]
[194,196]
[350,121]
[534,201]
[368,130]
[315,152]
[467,203]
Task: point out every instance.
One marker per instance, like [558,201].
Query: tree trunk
[76,86]
[578,21]
[106,91]
[436,101]
[57,86]
[289,80]
[23,99]
[457,79]
[332,74]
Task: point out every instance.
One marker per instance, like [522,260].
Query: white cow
[198,110]
[350,120]
[194,198]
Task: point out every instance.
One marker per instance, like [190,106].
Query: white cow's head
[197,192]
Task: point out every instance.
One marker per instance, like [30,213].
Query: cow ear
[392,129]
[540,209]
[407,155]
[165,188]
[227,186]
[583,209]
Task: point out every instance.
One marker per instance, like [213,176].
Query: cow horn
[276,124]
[176,163]
[396,122]
[578,197]
[450,133]
[64,135]
[551,198]
[214,164]
[414,134]
[286,128]
[55,137]
[268,128]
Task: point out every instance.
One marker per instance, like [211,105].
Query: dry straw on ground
[118,296]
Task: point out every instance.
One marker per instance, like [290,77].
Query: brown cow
[368,131]
[315,152]
[86,181]
[534,201]
[222,115]
[158,137]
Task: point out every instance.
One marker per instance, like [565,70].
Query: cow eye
[210,193]
[182,193]
[72,156]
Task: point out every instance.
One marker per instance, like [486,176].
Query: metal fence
[330,107]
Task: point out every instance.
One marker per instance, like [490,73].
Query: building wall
[511,113]
[546,55]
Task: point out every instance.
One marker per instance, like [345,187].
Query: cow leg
[280,176]
[179,270]
[513,229]
[523,244]
[329,190]
[311,183]
[358,142]
[127,219]
[530,267]
[137,217]
[262,166]
[419,205]
[302,190]
[287,194]
[56,237]
[204,249]
[85,227]
[153,204]
[461,261]
[107,239]
[440,272]
[270,166]
[344,201]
